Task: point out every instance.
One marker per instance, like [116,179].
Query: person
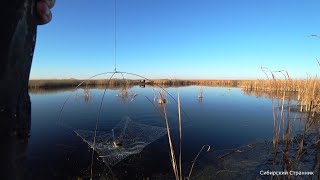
[43,11]
[17,42]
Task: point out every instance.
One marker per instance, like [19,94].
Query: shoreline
[57,83]
[264,85]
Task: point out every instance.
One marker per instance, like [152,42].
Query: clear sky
[189,39]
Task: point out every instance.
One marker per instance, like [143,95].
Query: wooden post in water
[18,36]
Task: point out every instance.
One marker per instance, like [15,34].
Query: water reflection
[86,95]
[226,119]
[68,89]
[200,95]
[270,94]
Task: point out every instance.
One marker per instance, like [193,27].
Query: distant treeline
[62,83]
[307,91]
[261,85]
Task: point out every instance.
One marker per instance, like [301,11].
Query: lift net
[126,138]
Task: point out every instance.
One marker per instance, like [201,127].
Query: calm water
[224,119]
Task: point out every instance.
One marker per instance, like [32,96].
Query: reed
[180,133]
[305,93]
[173,159]
[162,98]
[177,165]
[280,118]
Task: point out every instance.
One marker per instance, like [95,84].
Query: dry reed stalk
[308,124]
[180,130]
[276,126]
[195,159]
[178,171]
[308,99]
[173,159]
[286,157]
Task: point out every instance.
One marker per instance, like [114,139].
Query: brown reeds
[180,133]
[162,98]
[306,92]
[280,118]
[177,172]
[177,167]
[195,159]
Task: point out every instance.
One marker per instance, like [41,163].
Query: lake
[223,118]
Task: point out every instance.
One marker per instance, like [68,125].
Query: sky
[179,39]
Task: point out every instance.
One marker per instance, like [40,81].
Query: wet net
[126,138]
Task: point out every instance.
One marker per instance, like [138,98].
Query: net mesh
[126,138]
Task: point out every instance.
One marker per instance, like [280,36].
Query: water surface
[224,118]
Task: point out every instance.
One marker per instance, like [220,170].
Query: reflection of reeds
[200,93]
[307,91]
[86,94]
[58,83]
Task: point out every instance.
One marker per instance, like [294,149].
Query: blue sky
[184,39]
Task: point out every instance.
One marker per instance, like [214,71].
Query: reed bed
[306,92]
[283,92]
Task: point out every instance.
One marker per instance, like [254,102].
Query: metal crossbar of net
[126,138]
